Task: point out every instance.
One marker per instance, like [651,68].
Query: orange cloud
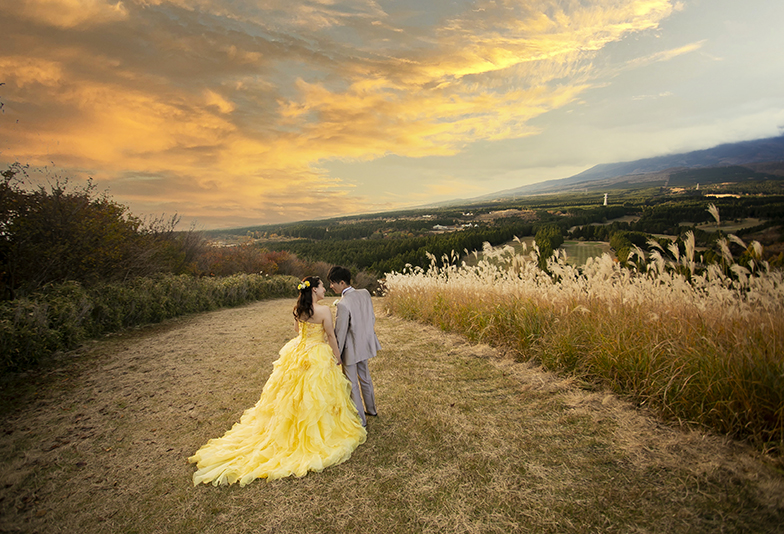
[69,13]
[227,113]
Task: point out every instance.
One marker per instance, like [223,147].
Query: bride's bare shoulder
[319,310]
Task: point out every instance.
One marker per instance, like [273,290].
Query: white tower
[605,199]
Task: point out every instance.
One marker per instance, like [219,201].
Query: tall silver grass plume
[652,243]
[735,239]
[714,272]
[756,250]
[725,250]
[636,251]
[689,242]
[676,252]
[713,210]
[658,261]
[742,273]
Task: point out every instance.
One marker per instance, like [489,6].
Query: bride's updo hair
[303,310]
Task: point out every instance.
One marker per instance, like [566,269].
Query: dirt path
[466,441]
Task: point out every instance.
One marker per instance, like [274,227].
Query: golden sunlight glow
[71,13]
[210,120]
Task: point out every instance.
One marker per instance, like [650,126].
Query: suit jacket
[354,327]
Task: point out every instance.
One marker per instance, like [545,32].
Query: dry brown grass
[466,441]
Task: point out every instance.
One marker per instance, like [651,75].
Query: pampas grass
[701,346]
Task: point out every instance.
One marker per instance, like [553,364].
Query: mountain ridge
[766,150]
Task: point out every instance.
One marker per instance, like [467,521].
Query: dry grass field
[466,441]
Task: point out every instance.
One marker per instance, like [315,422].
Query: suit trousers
[359,376]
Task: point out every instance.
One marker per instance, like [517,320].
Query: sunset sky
[240,112]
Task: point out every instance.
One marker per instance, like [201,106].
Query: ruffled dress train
[304,421]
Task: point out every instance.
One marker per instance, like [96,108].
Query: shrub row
[60,317]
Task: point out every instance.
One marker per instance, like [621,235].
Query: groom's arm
[341,325]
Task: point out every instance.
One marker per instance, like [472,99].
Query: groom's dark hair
[339,274]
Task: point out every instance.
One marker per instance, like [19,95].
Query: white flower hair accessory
[303,285]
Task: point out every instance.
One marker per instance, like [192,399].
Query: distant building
[605,199]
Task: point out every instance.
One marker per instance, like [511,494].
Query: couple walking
[311,414]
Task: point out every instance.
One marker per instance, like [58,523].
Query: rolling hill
[761,157]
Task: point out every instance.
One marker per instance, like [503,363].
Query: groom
[357,341]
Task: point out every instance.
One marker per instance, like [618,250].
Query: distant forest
[385,242]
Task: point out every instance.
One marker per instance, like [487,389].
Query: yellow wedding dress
[304,420]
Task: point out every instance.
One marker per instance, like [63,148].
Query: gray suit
[357,343]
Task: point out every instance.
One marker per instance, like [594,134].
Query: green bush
[59,317]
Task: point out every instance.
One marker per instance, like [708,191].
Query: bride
[304,420]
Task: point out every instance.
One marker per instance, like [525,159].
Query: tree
[53,234]
[548,238]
